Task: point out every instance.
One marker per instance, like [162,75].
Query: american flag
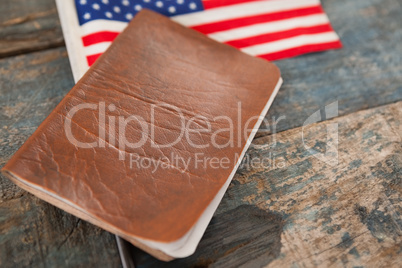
[270,29]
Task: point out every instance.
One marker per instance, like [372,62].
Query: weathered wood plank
[365,73]
[27,26]
[32,232]
[295,210]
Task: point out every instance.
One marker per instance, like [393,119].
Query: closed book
[148,140]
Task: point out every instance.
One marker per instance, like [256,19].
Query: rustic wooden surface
[28,26]
[304,214]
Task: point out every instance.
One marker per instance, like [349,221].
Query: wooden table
[301,213]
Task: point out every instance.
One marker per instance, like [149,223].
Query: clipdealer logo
[190,128]
[330,156]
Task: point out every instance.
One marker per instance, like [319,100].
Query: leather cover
[188,80]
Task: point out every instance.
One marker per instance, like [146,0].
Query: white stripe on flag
[96,48]
[298,41]
[241,10]
[102,25]
[269,27]
[261,49]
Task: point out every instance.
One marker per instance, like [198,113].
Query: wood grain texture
[32,232]
[298,211]
[27,26]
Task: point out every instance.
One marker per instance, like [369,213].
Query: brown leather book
[147,142]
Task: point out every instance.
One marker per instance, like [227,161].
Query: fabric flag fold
[270,29]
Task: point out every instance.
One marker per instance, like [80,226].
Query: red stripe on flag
[246,21]
[270,37]
[301,50]
[92,58]
[99,37]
